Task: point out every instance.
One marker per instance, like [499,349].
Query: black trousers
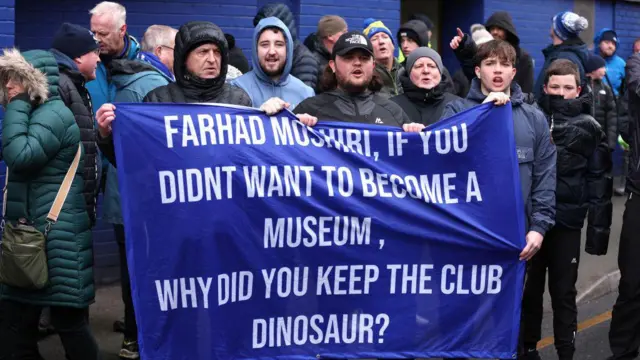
[19,332]
[624,334]
[130,325]
[560,255]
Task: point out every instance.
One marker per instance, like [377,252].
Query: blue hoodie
[615,64]
[260,86]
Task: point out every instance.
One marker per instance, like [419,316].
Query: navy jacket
[536,155]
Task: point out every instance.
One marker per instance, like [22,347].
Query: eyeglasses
[165,46]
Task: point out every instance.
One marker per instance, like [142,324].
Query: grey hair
[115,10]
[157,35]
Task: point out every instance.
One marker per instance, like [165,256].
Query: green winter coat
[40,138]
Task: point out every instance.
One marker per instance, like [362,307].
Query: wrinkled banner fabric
[256,237]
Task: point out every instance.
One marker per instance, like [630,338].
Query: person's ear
[478,71]
[123,30]
[579,89]
[332,65]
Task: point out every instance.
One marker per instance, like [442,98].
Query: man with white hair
[108,23]
[132,80]
[157,48]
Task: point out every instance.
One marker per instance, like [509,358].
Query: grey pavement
[597,286]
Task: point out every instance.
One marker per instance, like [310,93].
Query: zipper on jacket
[355,107]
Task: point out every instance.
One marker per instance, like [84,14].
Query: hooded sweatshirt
[524,62]
[260,86]
[615,64]
[305,66]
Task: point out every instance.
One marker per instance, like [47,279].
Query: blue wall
[32,23]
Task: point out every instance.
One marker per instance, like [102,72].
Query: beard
[357,87]
[278,71]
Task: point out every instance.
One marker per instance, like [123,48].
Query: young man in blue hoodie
[272,60]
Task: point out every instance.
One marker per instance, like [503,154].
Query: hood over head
[190,36]
[605,34]
[36,70]
[503,20]
[282,12]
[272,22]
[419,28]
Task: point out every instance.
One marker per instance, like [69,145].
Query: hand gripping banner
[256,237]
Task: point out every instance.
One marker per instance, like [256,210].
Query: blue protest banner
[255,237]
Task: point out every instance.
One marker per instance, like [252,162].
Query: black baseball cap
[350,41]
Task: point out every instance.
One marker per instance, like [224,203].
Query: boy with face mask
[582,186]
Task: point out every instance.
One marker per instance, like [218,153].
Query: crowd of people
[567,122]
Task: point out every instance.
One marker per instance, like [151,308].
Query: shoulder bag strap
[64,188]
[4,193]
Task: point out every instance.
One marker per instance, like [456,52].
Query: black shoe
[619,192]
[530,354]
[118,326]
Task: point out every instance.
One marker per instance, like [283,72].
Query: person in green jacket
[40,140]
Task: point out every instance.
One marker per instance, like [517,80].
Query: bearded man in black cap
[351,93]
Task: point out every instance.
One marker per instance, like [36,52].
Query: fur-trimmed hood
[33,69]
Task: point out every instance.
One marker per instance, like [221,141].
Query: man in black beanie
[77,53]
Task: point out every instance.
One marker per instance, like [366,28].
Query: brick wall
[532,20]
[353,11]
[233,16]
[627,25]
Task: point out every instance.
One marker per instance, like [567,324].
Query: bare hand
[455,42]
[534,243]
[413,127]
[105,116]
[274,106]
[498,98]
[307,119]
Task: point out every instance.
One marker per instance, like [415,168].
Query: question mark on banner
[379,318]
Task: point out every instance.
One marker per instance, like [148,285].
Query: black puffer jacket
[604,110]
[630,130]
[421,105]
[76,97]
[322,56]
[583,162]
[365,108]
[524,61]
[192,89]
[305,66]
